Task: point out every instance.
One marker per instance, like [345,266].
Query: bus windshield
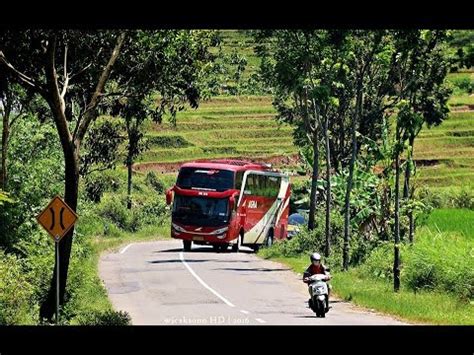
[202,211]
[206,179]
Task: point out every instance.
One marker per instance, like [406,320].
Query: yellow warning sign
[57,218]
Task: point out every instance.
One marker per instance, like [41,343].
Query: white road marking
[244,311]
[181,256]
[124,249]
[260,320]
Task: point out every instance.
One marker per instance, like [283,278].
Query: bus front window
[201,211]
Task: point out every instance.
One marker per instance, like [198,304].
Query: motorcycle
[318,289]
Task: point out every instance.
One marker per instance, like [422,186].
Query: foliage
[35,177]
[107,318]
[152,180]
[16,293]
[101,145]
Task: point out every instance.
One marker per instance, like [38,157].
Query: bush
[452,198]
[17,304]
[107,318]
[440,261]
[152,180]
[463,84]
[379,264]
[464,199]
[96,184]
[114,209]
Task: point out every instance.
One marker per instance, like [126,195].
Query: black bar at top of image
[238,15]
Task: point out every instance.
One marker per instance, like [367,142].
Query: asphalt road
[159,284]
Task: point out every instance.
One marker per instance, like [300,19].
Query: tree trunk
[407,194]
[48,307]
[396,260]
[328,192]
[314,182]
[129,183]
[5,138]
[347,211]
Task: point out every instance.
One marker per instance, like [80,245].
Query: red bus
[229,202]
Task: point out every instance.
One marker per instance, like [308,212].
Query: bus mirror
[169,196]
[232,202]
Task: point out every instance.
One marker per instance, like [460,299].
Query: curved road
[158,284]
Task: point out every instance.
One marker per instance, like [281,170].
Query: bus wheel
[269,241]
[236,246]
[187,245]
[255,248]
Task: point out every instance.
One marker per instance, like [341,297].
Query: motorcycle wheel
[321,307]
[187,245]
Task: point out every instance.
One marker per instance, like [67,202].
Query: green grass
[461,100]
[452,145]
[422,307]
[453,220]
[443,250]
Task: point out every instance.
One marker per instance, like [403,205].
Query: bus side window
[238,179]
[249,186]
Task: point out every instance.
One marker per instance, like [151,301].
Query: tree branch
[66,76]
[26,79]
[89,114]
[55,101]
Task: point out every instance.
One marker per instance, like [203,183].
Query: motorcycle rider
[316,267]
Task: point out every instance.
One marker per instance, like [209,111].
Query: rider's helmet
[315,256]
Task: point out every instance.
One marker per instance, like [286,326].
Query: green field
[449,147]
[222,127]
[443,252]
[245,127]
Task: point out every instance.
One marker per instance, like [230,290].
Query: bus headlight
[222,236]
[178,228]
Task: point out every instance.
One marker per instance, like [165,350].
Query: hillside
[245,127]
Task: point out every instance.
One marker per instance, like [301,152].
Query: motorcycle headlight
[220,231]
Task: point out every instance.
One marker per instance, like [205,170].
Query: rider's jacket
[314,269]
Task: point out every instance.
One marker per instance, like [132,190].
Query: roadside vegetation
[220,102]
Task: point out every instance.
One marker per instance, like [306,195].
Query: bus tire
[187,245]
[236,246]
[269,240]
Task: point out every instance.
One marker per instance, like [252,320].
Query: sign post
[56,242]
[57,218]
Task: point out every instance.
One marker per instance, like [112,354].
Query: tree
[370,58]
[66,68]
[420,70]
[13,105]
[159,82]
[304,70]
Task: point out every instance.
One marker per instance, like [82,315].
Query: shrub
[152,180]
[107,318]
[379,263]
[464,199]
[464,84]
[17,304]
[114,209]
[96,184]
[441,261]
[169,141]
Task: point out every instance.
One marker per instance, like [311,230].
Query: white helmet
[315,256]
